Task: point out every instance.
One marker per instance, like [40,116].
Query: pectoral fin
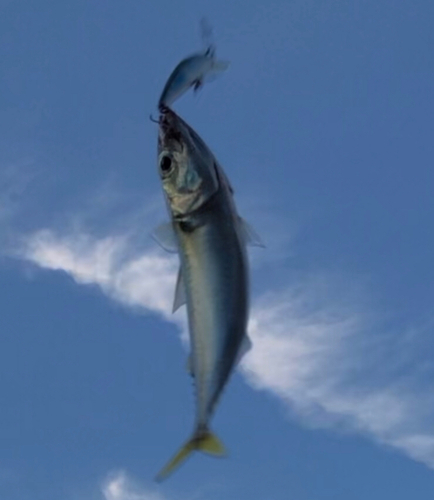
[250,236]
[197,85]
[165,236]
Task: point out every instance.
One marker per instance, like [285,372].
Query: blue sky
[323,123]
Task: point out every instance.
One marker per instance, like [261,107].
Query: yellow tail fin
[205,442]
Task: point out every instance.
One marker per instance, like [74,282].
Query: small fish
[213,279]
[193,71]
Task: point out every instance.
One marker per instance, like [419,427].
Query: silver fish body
[214,277]
[192,71]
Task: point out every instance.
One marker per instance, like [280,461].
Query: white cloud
[145,280]
[304,356]
[119,486]
[311,348]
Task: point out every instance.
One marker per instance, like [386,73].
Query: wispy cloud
[311,349]
[319,359]
[119,486]
[144,280]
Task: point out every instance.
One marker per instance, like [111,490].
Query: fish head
[186,165]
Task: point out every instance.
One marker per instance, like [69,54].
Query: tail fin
[220,65]
[206,442]
[217,68]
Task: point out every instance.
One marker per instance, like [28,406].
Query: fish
[213,280]
[193,71]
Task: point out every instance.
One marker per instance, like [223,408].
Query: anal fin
[180,298]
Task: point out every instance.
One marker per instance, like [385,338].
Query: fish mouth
[170,134]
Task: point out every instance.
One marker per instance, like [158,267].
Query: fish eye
[165,164]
